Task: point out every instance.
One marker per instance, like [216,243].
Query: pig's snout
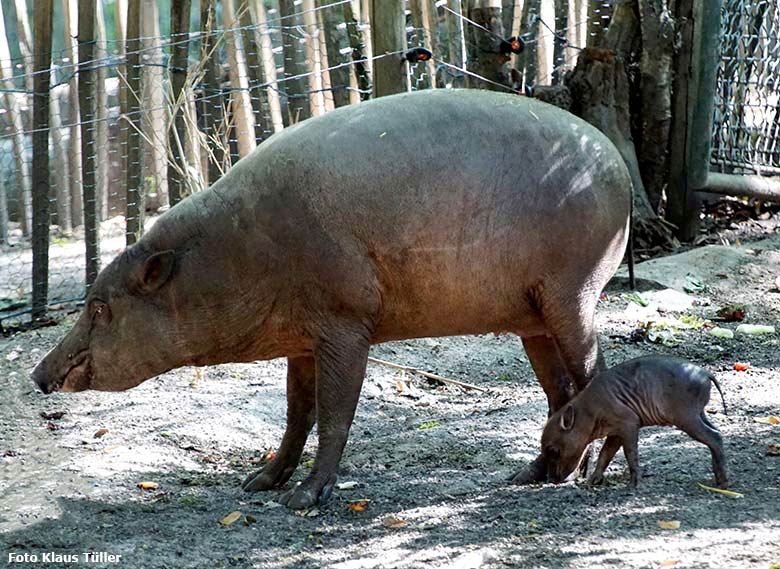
[42,378]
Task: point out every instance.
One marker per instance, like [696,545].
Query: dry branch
[433,376]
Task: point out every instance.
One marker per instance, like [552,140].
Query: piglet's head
[564,441]
[123,335]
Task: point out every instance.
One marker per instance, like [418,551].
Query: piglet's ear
[567,418]
[155,272]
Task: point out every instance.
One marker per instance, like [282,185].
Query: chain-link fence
[746,129]
[249,70]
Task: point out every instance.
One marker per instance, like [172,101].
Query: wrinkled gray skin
[650,390]
[428,214]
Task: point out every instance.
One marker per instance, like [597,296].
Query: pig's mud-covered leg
[702,430]
[611,446]
[341,360]
[300,419]
[554,379]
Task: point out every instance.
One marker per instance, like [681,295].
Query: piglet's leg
[630,440]
[611,446]
[702,430]
[341,356]
[300,419]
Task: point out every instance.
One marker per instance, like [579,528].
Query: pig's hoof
[534,473]
[307,494]
[595,480]
[270,476]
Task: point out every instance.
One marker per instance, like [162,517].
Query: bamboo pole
[177,166]
[88,108]
[254,69]
[70,9]
[101,126]
[25,45]
[60,155]
[327,85]
[154,109]
[14,110]
[421,77]
[263,39]
[457,45]
[40,170]
[240,103]
[313,58]
[119,185]
[3,213]
[134,217]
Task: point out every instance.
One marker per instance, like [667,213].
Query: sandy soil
[430,459]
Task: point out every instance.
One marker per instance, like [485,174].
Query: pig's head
[564,440]
[124,334]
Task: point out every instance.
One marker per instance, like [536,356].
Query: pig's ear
[567,418]
[154,272]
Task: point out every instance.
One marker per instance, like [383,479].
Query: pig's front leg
[611,446]
[300,419]
[341,356]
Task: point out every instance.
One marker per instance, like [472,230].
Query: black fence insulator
[418,54]
[514,44]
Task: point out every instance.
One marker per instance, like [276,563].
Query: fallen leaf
[312,513]
[346,485]
[358,505]
[148,485]
[400,386]
[671,524]
[728,493]
[100,432]
[308,463]
[12,356]
[230,519]
[774,565]
[636,298]
[739,366]
[732,313]
[668,562]
[53,416]
[428,425]
[51,426]
[392,521]
[773,450]
[771,420]
[250,519]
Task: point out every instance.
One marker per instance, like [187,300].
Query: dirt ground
[431,460]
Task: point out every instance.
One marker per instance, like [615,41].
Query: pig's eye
[100,311]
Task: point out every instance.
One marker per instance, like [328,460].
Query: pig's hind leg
[702,430]
[300,419]
[611,445]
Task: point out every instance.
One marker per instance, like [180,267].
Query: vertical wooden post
[389,41]
[297,100]
[339,77]
[240,103]
[210,106]
[490,62]
[70,9]
[135,190]
[254,69]
[559,41]
[88,106]
[119,184]
[13,105]
[263,39]
[313,58]
[358,47]
[40,162]
[61,178]
[457,45]
[327,86]
[101,126]
[177,162]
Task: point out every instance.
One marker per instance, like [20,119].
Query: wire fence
[248,73]
[746,129]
